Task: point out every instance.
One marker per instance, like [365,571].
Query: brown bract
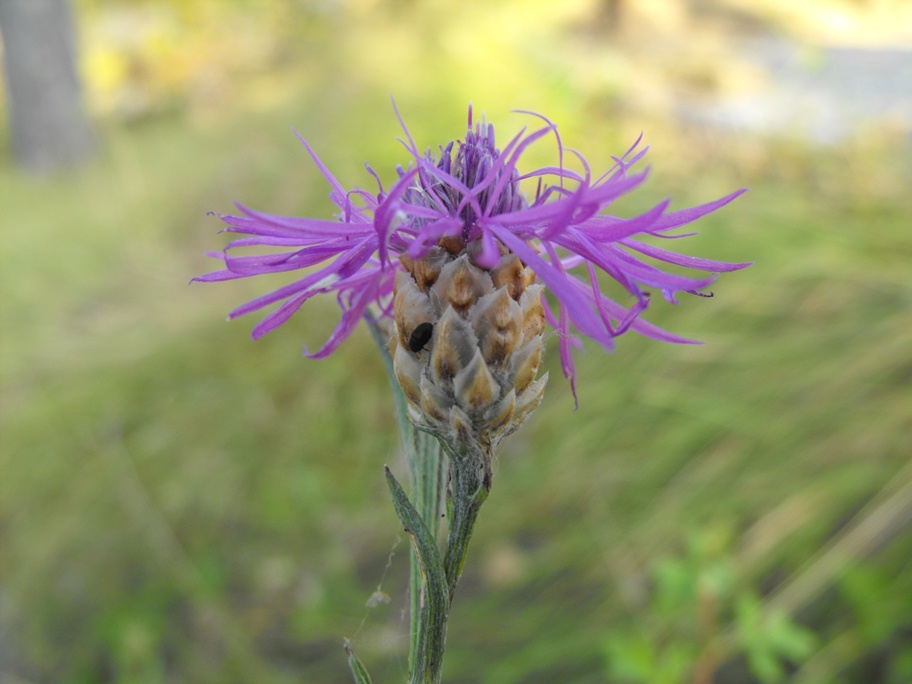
[476,378]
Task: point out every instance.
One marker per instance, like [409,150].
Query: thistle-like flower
[466,267]
[457,258]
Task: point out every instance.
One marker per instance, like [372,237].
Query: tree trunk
[48,128]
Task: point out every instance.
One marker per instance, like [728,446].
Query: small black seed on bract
[421,335]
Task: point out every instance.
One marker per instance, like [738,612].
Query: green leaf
[429,657]
[789,639]
[765,665]
[676,583]
[356,666]
[630,657]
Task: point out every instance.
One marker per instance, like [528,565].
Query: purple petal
[292,226]
[556,280]
[489,256]
[682,216]
[350,318]
[610,229]
[544,212]
[505,175]
[317,281]
[383,217]
[216,277]
[337,187]
[684,260]
[280,315]
[639,325]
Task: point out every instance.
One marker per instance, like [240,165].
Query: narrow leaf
[428,657]
[356,666]
[424,542]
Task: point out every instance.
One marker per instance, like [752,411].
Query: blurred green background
[181,504]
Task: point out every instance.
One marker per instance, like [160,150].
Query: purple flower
[468,195]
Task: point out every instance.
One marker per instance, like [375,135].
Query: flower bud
[475,377]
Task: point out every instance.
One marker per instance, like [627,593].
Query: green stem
[470,483]
[426,469]
[433,582]
[425,464]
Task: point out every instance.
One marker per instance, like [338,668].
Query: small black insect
[421,335]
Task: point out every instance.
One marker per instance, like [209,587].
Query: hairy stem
[470,483]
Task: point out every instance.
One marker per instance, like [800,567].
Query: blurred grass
[178,503]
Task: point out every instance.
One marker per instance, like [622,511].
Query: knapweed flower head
[458,253]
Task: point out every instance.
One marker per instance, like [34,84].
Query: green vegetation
[178,503]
